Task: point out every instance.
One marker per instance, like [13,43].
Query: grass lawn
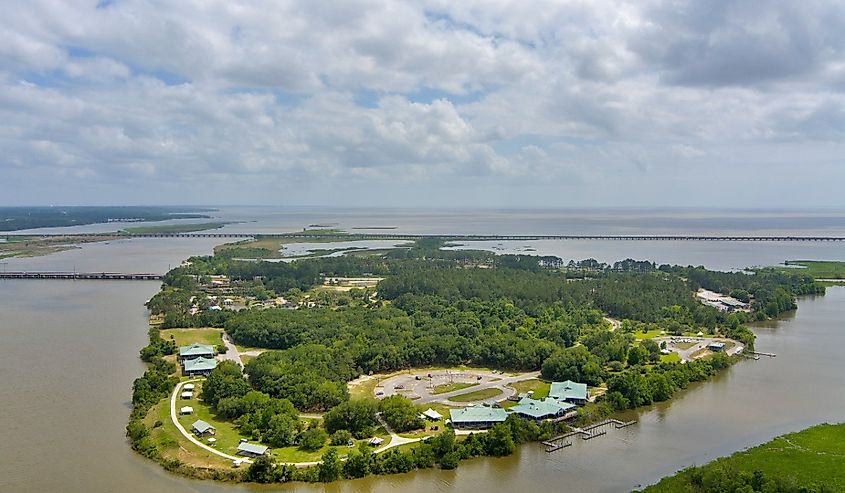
[648,335]
[476,395]
[228,437]
[815,455]
[449,387]
[540,388]
[670,358]
[185,337]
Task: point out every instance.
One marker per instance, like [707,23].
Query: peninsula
[387,361]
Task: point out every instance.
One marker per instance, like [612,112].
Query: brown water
[70,354]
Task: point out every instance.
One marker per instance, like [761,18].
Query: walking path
[395,440]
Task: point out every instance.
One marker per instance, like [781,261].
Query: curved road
[395,440]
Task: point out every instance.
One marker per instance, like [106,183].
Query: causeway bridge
[99,276]
[447,237]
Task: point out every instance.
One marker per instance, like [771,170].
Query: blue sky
[427,103]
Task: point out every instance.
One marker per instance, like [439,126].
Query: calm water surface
[70,355]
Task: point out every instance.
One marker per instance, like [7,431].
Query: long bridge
[447,237]
[114,276]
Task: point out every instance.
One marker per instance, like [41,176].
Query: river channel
[70,354]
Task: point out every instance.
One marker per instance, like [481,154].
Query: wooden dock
[760,353]
[587,433]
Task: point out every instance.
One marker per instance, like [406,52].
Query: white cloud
[424,96]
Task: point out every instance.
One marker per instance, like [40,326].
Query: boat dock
[587,433]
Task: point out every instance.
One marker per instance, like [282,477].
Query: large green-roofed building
[569,391]
[196,350]
[541,409]
[199,366]
[477,417]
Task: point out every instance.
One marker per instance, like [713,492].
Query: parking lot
[422,385]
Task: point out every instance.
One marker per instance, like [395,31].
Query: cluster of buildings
[720,301]
[197,359]
[561,403]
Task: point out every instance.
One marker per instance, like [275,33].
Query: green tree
[313,439]
[499,441]
[330,466]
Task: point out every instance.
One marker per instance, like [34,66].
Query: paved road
[232,353]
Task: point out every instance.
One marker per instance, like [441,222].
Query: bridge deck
[455,237]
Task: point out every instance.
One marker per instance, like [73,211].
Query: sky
[551,104]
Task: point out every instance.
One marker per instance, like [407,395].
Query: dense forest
[438,307]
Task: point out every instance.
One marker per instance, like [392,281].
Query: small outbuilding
[716,346]
[188,386]
[186,410]
[432,415]
[375,441]
[186,395]
[201,428]
[251,449]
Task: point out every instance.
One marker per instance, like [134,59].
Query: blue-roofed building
[477,417]
[199,366]
[540,409]
[569,391]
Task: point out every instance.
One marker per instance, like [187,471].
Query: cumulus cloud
[265,100]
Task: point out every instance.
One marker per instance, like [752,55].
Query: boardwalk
[587,433]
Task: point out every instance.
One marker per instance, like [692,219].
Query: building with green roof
[201,428]
[199,366]
[251,449]
[196,350]
[477,417]
[569,391]
[540,409]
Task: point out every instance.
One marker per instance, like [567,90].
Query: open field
[184,337]
[477,395]
[539,387]
[819,269]
[648,335]
[812,456]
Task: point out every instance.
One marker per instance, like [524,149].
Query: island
[387,361]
